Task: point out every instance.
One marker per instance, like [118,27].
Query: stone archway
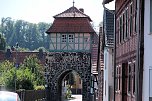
[61,63]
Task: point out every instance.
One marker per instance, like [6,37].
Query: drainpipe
[140,50]
[137,54]
[114,58]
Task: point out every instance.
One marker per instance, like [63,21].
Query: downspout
[140,50]
[137,54]
[114,54]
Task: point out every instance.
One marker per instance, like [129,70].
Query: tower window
[64,38]
[71,38]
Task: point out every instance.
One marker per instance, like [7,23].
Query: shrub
[68,92]
[39,88]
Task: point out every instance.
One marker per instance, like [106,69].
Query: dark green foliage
[2,42]
[27,84]
[28,35]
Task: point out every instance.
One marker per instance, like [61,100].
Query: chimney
[82,10]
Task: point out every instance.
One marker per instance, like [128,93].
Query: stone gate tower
[71,40]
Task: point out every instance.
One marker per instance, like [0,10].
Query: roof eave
[48,32]
[74,17]
[106,1]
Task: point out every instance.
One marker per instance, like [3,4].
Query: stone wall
[61,63]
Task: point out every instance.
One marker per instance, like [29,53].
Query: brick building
[126,51]
[126,45]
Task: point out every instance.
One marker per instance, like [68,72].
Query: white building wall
[108,80]
[147,51]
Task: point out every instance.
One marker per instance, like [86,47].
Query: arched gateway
[71,42]
[62,63]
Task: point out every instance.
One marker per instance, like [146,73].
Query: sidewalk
[75,98]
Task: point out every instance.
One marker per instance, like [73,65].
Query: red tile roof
[72,12]
[71,21]
[71,25]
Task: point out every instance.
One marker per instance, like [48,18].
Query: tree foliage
[28,35]
[27,76]
[2,42]
[33,64]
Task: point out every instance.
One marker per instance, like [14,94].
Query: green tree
[42,27]
[2,42]
[4,67]
[34,65]
[28,75]
[28,35]
[25,79]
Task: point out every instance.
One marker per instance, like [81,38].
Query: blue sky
[43,10]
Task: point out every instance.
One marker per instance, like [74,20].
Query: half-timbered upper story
[126,48]
[71,31]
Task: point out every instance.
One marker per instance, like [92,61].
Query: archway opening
[70,86]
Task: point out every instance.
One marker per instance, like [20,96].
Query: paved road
[75,98]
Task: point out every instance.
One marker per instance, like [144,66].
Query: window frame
[131,20]
[134,79]
[71,38]
[129,78]
[120,29]
[126,23]
[63,38]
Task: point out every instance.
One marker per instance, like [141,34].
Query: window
[71,38]
[67,38]
[123,26]
[126,15]
[131,19]
[129,78]
[134,79]
[135,25]
[118,78]
[117,32]
[120,29]
[119,74]
[64,38]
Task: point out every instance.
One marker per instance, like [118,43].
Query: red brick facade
[126,44]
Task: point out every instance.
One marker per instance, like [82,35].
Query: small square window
[71,38]
[64,38]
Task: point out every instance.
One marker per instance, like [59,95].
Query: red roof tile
[71,25]
[72,12]
[71,20]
